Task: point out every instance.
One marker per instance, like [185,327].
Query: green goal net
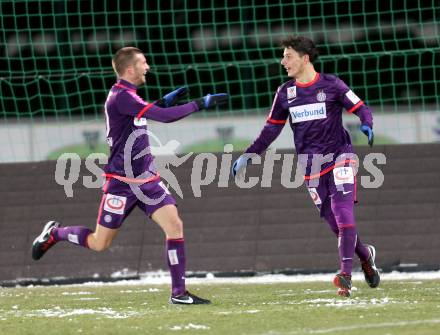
[56,66]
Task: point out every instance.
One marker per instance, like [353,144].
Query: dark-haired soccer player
[131,177]
[313,103]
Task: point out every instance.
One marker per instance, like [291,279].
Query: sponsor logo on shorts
[343,175]
[315,196]
[114,203]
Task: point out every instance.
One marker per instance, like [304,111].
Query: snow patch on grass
[190,326]
[58,312]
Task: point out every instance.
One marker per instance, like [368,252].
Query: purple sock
[346,245]
[76,235]
[344,216]
[360,250]
[175,249]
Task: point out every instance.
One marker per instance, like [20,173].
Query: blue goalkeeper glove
[212,100]
[171,99]
[240,164]
[369,133]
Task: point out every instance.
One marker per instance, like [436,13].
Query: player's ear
[306,58]
[129,69]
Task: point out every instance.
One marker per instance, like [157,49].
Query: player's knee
[344,220]
[174,228]
[177,225]
[100,245]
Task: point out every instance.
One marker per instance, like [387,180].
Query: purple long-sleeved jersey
[314,111]
[126,120]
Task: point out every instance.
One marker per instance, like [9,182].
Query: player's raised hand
[239,165]
[171,99]
[212,100]
[369,133]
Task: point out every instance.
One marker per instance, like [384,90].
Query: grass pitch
[397,307]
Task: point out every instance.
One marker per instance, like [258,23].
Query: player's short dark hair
[302,45]
[123,58]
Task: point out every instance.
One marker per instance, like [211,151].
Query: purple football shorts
[120,198]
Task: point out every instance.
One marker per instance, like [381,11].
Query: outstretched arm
[275,123]
[173,113]
[170,114]
[269,133]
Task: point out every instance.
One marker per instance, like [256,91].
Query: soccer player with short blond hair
[131,177]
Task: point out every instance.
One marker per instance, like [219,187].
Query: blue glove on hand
[369,133]
[170,99]
[240,164]
[212,100]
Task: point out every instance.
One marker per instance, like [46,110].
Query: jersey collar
[121,83]
[310,83]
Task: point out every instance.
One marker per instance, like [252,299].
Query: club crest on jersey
[321,96]
[291,92]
